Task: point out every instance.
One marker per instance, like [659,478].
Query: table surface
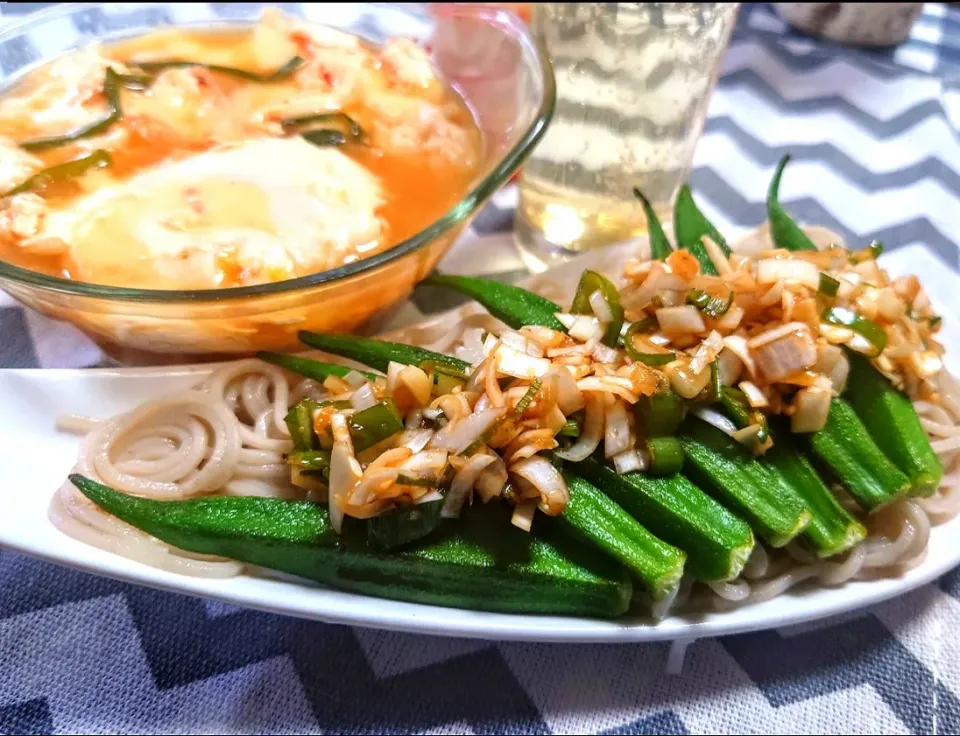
[877,155]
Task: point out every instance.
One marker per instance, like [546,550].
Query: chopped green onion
[527,398]
[570,429]
[79,166]
[666,455]
[660,415]
[135,82]
[444,369]
[406,480]
[828,285]
[647,324]
[324,137]
[316,460]
[287,70]
[341,404]
[352,127]
[712,306]
[590,282]
[484,438]
[934,322]
[447,384]
[111,90]
[735,405]
[403,525]
[652,359]
[714,388]
[875,249]
[374,424]
[869,330]
[299,421]
[446,377]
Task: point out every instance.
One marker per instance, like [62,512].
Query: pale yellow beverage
[633,83]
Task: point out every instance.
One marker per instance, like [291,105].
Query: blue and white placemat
[876,156]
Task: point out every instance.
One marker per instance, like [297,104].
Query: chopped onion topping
[684,381]
[581,326]
[738,346]
[426,465]
[755,397]
[462,484]
[472,348]
[544,476]
[716,419]
[355,379]
[519,342]
[731,320]
[628,461]
[598,303]
[345,472]
[730,367]
[363,397]
[717,256]
[617,437]
[925,363]
[682,320]
[811,407]
[590,435]
[511,362]
[772,270]
[458,435]
[416,439]
[783,350]
[492,479]
[604,354]
[523,516]
[748,434]
[707,352]
[569,398]
[432,495]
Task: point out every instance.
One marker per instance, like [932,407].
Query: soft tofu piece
[254,212]
[66,95]
[16,165]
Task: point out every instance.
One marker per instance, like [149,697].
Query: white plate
[35,458]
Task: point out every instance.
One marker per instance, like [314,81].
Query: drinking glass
[633,83]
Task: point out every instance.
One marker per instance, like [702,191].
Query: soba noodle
[228,436]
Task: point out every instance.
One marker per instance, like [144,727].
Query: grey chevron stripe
[879,63]
[835,158]
[650,82]
[614,119]
[878,128]
[32,716]
[750,214]
[824,53]
[845,656]
[950,583]
[663,723]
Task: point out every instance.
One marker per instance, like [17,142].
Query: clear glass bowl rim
[460,211]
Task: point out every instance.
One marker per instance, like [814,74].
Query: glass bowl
[486,53]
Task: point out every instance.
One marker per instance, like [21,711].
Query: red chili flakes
[191,195]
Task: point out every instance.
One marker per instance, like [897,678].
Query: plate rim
[285,595]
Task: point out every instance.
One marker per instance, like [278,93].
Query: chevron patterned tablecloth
[875,138]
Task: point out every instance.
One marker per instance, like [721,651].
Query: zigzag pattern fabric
[877,155]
